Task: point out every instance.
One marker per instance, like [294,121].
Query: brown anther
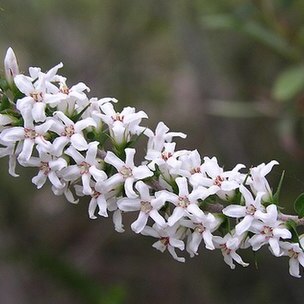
[84,168]
[118,117]
[37,96]
[250,210]
[199,228]
[166,155]
[218,180]
[293,254]
[64,89]
[225,249]
[195,170]
[125,172]
[44,167]
[95,194]
[165,240]
[30,133]
[145,207]
[68,131]
[267,231]
[183,202]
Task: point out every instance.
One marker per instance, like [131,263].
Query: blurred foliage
[228,73]
[279,26]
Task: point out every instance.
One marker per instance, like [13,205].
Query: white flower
[248,212]
[165,159]
[212,174]
[228,245]
[122,125]
[190,163]
[85,167]
[184,202]
[169,238]
[268,230]
[29,135]
[66,191]
[36,95]
[147,206]
[49,167]
[202,226]
[70,132]
[296,256]
[71,99]
[12,152]
[257,180]
[11,67]
[127,173]
[102,195]
[161,136]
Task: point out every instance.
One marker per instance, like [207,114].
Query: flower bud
[10,65]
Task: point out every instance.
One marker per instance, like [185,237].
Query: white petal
[39,180]
[82,124]
[92,208]
[129,188]
[38,112]
[207,236]
[140,223]
[86,178]
[102,205]
[55,180]
[244,225]
[158,219]
[117,220]
[235,211]
[141,172]
[24,84]
[177,214]
[128,204]
[79,142]
[112,159]
[182,186]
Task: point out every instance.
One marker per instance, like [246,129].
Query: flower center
[200,228]
[125,172]
[68,131]
[164,240]
[44,167]
[218,180]
[183,202]
[64,89]
[195,170]
[166,155]
[118,117]
[95,194]
[37,96]
[84,167]
[225,249]
[250,210]
[145,207]
[267,231]
[293,254]
[30,133]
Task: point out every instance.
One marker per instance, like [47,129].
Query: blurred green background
[230,74]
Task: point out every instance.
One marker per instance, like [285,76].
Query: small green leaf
[3,84]
[289,84]
[292,227]
[276,196]
[234,109]
[77,116]
[5,103]
[299,205]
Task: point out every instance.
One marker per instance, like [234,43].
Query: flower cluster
[84,147]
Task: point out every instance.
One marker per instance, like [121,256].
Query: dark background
[228,73]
